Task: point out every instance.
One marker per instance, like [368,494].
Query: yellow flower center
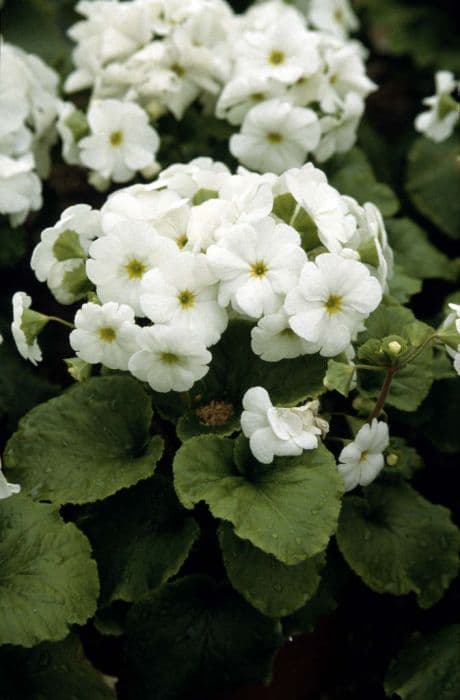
[363,456]
[116,138]
[259,269]
[186,299]
[169,358]
[182,240]
[107,334]
[333,304]
[276,57]
[135,269]
[274,137]
[178,70]
[257,96]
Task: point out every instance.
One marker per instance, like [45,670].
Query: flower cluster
[439,121]
[450,329]
[28,111]
[294,89]
[295,85]
[164,265]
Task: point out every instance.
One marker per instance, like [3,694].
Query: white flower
[281,432]
[119,260]
[333,16]
[273,338]
[362,460]
[323,204]
[345,73]
[183,294]
[106,334]
[28,350]
[121,141]
[244,92]
[20,188]
[70,147]
[170,359]
[276,136]
[7,489]
[439,121]
[338,131]
[186,179]
[452,325]
[68,240]
[333,297]
[257,265]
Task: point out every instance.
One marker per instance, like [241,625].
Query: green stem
[371,368]
[419,350]
[61,321]
[384,391]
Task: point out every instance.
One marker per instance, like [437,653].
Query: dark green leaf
[86,444]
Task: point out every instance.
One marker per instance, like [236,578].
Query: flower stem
[420,349]
[384,391]
[61,321]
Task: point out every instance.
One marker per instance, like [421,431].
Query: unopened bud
[395,347]
[392,459]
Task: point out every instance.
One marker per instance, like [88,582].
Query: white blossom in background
[439,121]
[362,460]
[256,265]
[170,359]
[106,334]
[451,325]
[333,16]
[182,292]
[7,489]
[281,432]
[333,298]
[338,130]
[275,135]
[28,350]
[68,241]
[120,143]
[28,112]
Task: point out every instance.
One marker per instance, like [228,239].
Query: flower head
[281,432]
[7,489]
[438,122]
[362,460]
[26,326]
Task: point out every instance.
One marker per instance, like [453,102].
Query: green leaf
[402,286]
[339,377]
[193,637]
[401,459]
[427,667]
[50,670]
[433,182]
[352,174]
[140,538]
[86,444]
[288,382]
[272,587]
[48,580]
[399,543]
[412,383]
[288,509]
[415,254]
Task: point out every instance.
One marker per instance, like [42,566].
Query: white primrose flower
[273,338]
[244,92]
[452,324]
[170,359]
[281,432]
[121,141]
[438,122]
[362,460]
[257,265]
[333,297]
[7,489]
[106,334]
[28,350]
[183,293]
[276,136]
[141,202]
[64,247]
[186,179]
[333,16]
[324,205]
[20,188]
[284,52]
[120,259]
[338,130]
[345,73]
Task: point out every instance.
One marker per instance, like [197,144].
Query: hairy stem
[377,410]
